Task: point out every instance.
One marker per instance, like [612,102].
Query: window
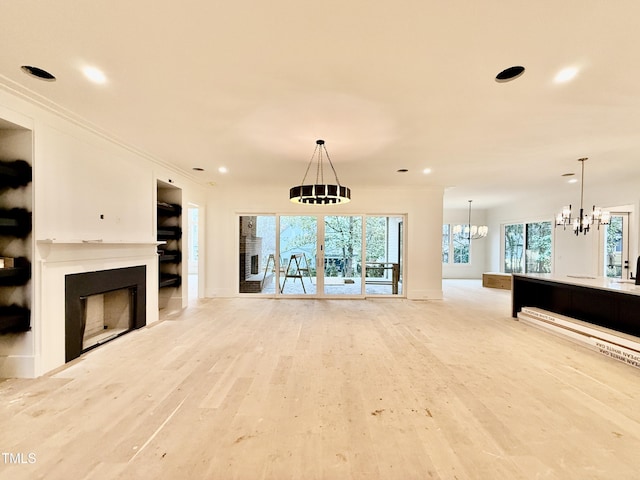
[527,247]
[445,243]
[513,248]
[455,246]
[538,247]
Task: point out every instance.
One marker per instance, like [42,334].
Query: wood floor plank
[330,389]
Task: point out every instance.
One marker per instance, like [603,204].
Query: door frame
[319,219]
[625,253]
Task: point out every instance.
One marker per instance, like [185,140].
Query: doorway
[193,251]
[615,247]
[346,256]
[300,255]
[342,255]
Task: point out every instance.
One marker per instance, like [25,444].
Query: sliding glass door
[321,255]
[384,247]
[298,255]
[342,250]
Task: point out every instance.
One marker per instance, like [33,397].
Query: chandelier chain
[319,165]
[335,174]
[309,164]
[582,160]
[319,170]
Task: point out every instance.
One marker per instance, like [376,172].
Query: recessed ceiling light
[509,74]
[38,73]
[573,180]
[566,75]
[94,74]
[426,171]
[223,170]
[402,170]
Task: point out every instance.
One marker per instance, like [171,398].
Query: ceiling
[404,84]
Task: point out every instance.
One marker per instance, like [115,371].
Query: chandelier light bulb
[472,232]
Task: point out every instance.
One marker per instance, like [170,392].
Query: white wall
[88,188]
[573,255]
[423,207]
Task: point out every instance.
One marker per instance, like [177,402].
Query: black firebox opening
[79,286]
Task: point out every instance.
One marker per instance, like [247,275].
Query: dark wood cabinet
[610,308]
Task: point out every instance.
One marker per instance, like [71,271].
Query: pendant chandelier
[583,221]
[320,193]
[473,232]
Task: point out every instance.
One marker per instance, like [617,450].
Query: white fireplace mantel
[57,258]
[98,241]
[55,250]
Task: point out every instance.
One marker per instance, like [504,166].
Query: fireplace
[102,305]
[106,316]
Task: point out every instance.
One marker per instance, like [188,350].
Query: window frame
[451,252]
[524,260]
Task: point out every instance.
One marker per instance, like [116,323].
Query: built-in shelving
[17,275]
[15,222]
[16,249]
[169,233]
[170,256]
[14,174]
[170,280]
[169,209]
[14,318]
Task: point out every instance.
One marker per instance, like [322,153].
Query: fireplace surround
[80,286]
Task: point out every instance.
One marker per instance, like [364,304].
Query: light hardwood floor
[330,389]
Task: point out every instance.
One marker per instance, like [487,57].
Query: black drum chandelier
[320,192]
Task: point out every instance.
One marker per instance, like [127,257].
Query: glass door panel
[383,266]
[616,252]
[258,258]
[342,251]
[297,258]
